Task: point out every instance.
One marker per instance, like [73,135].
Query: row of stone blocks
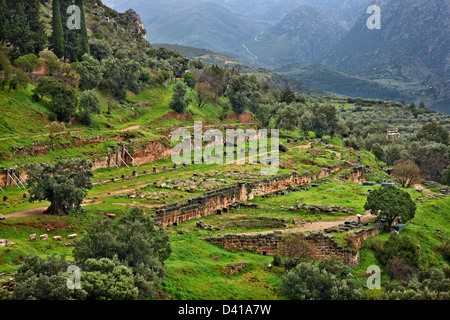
[44,237]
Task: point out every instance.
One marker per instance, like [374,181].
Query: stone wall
[325,245]
[219,200]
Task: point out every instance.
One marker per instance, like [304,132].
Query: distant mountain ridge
[409,55]
[306,34]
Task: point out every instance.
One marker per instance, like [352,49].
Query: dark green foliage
[64,98]
[243,92]
[325,281]
[83,39]
[446,176]
[136,243]
[64,184]
[434,132]
[169,60]
[392,203]
[44,279]
[121,75]
[100,49]
[324,120]
[287,116]
[189,79]
[52,64]
[90,71]
[23,28]
[75,40]
[57,39]
[179,101]
[378,151]
[9,75]
[107,279]
[28,63]
[287,95]
[435,286]
[89,104]
[401,247]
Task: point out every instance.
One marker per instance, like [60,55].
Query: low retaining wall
[325,245]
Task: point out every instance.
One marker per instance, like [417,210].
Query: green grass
[193,273]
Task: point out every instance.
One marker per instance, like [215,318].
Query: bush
[134,242]
[309,281]
[401,247]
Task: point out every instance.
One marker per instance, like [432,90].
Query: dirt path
[131,128]
[423,190]
[319,225]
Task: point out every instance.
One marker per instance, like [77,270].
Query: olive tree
[391,203]
[64,184]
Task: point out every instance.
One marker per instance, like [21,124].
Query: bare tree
[408,173]
[293,248]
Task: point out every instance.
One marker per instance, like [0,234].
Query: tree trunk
[56,209]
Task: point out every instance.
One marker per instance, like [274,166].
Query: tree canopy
[391,202]
[64,184]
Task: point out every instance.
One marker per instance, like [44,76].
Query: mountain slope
[411,47]
[303,35]
[337,82]
[276,80]
[415,27]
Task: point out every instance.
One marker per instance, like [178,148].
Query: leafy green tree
[422,105]
[324,120]
[89,104]
[433,131]
[90,71]
[44,279]
[446,176]
[393,153]
[64,184]
[309,281]
[28,63]
[287,116]
[244,92]
[401,247]
[287,95]
[264,114]
[378,151]
[19,79]
[23,28]
[189,79]
[51,62]
[64,98]
[179,102]
[136,243]
[83,39]
[106,279]
[121,75]
[57,39]
[391,202]
[100,49]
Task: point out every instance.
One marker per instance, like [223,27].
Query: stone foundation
[222,199]
[325,245]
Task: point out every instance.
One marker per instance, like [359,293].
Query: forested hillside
[115,183]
